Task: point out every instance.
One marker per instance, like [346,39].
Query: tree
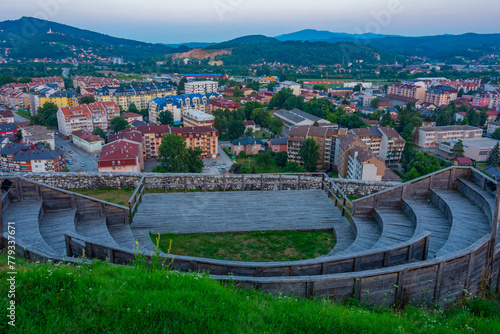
[237,92]
[374,103]
[249,132]
[165,117]
[309,153]
[132,108]
[181,86]
[318,87]
[275,125]
[19,134]
[118,124]
[281,159]
[176,157]
[265,158]
[494,158]
[293,167]
[46,115]
[100,132]
[235,169]
[496,134]
[458,149]
[236,129]
[87,99]
[357,88]
[444,118]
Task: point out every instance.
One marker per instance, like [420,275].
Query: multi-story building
[201,87]
[86,117]
[343,145]
[323,136]
[193,118]
[38,97]
[49,80]
[14,98]
[491,127]
[121,156]
[178,103]
[88,85]
[6,116]
[223,104]
[364,165]
[438,97]
[249,146]
[204,137]
[486,99]
[278,144]
[477,149]
[431,136]
[38,134]
[385,142]
[407,90]
[31,158]
[295,87]
[140,95]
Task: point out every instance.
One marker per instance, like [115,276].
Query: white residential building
[201,87]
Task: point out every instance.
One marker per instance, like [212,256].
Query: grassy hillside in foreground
[108,299]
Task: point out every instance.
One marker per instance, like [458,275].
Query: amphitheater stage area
[226,212]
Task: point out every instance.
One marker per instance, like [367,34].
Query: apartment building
[140,95]
[486,99]
[438,97]
[177,103]
[223,104]
[431,136]
[31,158]
[204,137]
[88,84]
[323,136]
[49,80]
[477,149]
[6,116]
[491,127]
[408,90]
[295,87]
[385,142]
[194,118]
[86,117]
[201,87]
[249,146]
[364,165]
[14,98]
[43,94]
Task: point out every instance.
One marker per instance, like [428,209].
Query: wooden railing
[136,199]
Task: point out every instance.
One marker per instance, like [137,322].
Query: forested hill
[258,49]
[29,38]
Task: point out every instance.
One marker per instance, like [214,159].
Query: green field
[251,162]
[266,246]
[61,298]
[24,113]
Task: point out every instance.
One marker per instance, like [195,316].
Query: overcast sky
[167,21]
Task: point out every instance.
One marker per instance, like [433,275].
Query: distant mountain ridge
[313,35]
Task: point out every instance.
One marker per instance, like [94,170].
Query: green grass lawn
[24,113]
[115,196]
[272,168]
[266,246]
[61,298]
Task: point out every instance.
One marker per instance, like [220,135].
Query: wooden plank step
[431,219]
[96,230]
[469,223]
[345,236]
[25,215]
[397,227]
[54,225]
[123,236]
[368,234]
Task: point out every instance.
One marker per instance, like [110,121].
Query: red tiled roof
[464,160]
[121,152]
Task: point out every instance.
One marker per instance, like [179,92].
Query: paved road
[78,156]
[18,118]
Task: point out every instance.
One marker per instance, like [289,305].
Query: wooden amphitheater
[430,241]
